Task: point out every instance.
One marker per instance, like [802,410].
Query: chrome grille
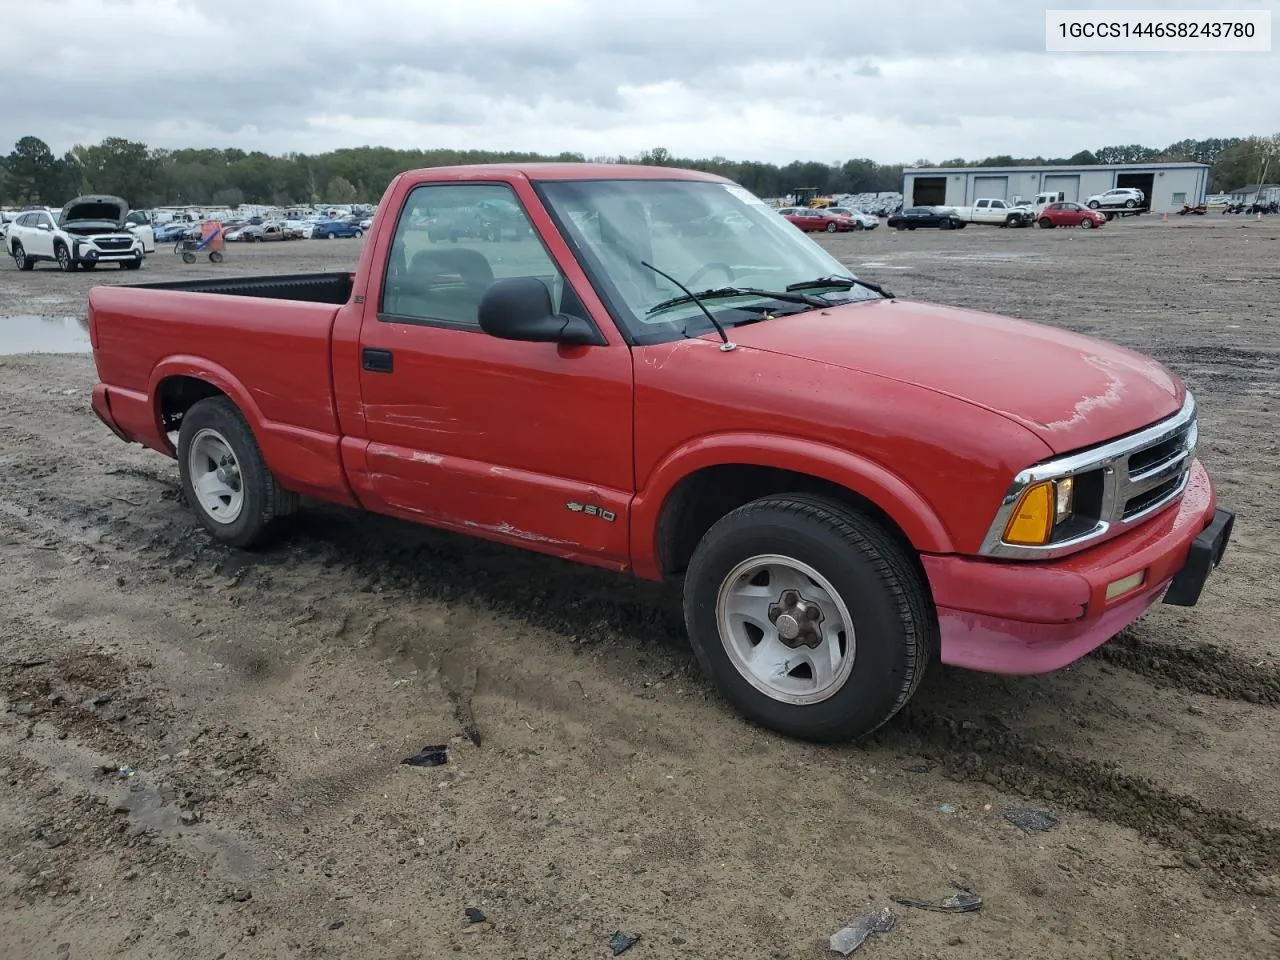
[1141,474]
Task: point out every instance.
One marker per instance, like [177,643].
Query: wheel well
[706,495]
[177,395]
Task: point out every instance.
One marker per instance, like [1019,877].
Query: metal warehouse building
[1166,185]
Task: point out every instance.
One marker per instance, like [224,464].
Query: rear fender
[199,368]
[901,502]
[305,461]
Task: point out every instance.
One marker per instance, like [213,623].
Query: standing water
[43,335]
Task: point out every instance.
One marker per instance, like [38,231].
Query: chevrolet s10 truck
[648,370]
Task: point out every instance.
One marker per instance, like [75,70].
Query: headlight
[1041,507]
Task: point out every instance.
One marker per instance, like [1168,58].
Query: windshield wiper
[786,296]
[694,298]
[843,282]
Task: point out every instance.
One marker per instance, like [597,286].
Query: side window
[451,242]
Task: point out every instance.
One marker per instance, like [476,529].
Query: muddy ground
[263,703]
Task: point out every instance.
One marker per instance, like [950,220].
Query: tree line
[148,177]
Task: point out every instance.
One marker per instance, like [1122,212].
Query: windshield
[706,234]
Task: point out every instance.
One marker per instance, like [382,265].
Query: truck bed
[270,354]
[330,288]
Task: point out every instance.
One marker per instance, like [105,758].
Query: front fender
[890,492]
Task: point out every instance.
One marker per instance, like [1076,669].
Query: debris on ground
[474,915]
[429,756]
[849,938]
[963,902]
[1029,819]
[946,808]
[621,942]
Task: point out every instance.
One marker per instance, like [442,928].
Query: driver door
[528,443]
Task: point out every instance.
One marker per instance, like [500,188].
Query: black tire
[1046,223]
[88,265]
[65,262]
[1093,204]
[264,498]
[832,227]
[188,256]
[894,624]
[1131,203]
[20,258]
[131,264]
[1087,224]
[215,257]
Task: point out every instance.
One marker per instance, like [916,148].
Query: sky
[744,79]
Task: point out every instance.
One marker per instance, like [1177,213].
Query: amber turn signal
[1032,520]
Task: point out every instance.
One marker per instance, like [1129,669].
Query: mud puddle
[31,334]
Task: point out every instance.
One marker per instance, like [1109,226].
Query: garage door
[990,188]
[1068,185]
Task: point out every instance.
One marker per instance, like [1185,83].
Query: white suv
[89,231]
[1129,197]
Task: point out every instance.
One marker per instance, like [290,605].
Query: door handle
[377,361]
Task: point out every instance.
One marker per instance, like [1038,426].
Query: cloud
[738,78]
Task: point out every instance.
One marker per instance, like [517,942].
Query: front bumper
[1024,617]
[85,253]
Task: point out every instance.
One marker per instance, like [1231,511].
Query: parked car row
[829,219]
[262,229]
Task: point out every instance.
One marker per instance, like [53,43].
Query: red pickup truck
[649,370]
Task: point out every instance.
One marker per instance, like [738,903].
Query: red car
[844,491]
[1068,214]
[811,220]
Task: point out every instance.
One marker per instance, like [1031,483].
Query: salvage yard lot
[263,703]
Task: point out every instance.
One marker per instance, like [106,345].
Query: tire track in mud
[589,606]
[1232,844]
[1196,668]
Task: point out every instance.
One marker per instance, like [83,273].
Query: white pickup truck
[1000,213]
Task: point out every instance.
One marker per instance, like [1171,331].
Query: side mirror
[519,308]
[45,227]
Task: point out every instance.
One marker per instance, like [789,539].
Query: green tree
[33,173]
[340,190]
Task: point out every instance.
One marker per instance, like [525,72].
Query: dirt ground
[263,703]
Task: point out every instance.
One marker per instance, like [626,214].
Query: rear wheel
[215,256]
[808,617]
[224,476]
[20,258]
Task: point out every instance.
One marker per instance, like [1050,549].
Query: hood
[1070,390]
[101,209]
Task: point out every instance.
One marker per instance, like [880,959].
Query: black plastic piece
[378,361]
[1206,553]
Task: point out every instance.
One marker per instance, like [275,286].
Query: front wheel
[215,256]
[808,617]
[65,263]
[1087,224]
[1046,223]
[224,476]
[832,227]
[1131,203]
